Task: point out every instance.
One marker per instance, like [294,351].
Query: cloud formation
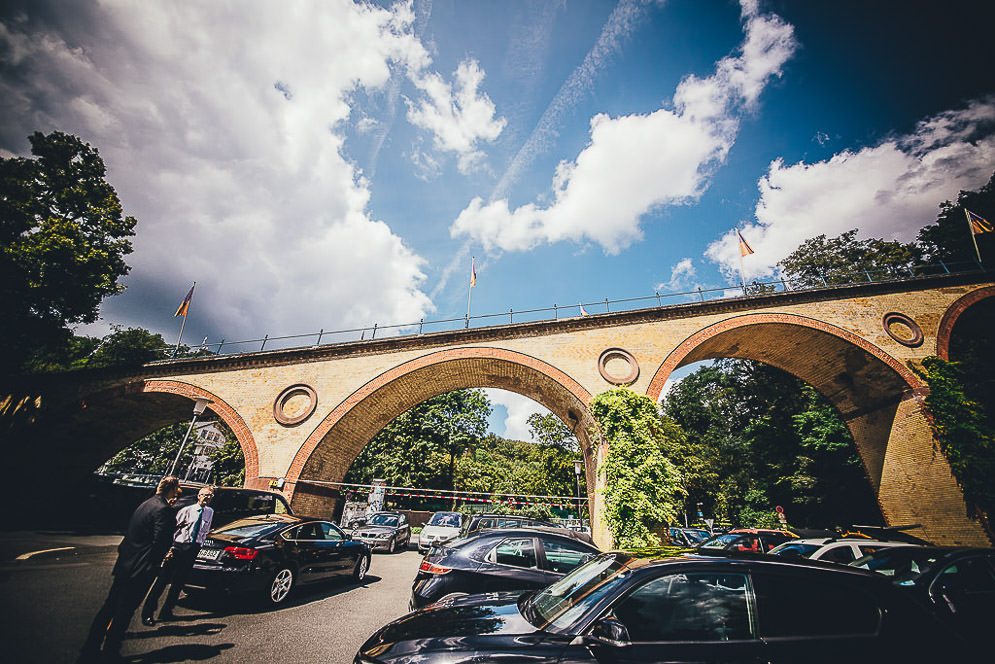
[637,163]
[889,190]
[519,408]
[228,147]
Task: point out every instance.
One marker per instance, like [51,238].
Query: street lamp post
[577,465]
[198,409]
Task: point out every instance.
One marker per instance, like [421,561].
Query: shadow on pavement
[173,629]
[222,604]
[188,652]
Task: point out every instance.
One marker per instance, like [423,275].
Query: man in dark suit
[150,533]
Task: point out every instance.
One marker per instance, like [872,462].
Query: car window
[485,523]
[384,520]
[310,532]
[839,606]
[563,557]
[970,574]
[444,519]
[246,529]
[689,607]
[516,552]
[331,532]
[839,554]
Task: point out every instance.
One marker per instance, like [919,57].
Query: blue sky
[332,164]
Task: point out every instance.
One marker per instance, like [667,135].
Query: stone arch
[334,443]
[953,312]
[222,409]
[879,399]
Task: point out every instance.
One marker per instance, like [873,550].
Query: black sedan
[694,608]
[269,555]
[957,583]
[493,560]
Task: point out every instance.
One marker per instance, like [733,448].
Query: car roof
[565,533]
[746,559]
[761,531]
[288,519]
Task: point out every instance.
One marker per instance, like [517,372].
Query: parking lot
[48,600]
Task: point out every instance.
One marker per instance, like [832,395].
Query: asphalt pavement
[49,598]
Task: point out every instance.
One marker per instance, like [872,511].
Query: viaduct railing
[815,279]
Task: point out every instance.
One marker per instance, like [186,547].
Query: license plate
[209,554]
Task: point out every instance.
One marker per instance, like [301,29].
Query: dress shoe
[148,621]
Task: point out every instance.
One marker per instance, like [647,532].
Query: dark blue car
[270,555]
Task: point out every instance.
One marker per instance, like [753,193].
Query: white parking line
[25,556]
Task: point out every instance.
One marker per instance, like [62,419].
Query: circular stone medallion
[902,329]
[295,404]
[618,367]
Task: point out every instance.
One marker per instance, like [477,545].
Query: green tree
[131,346]
[949,239]
[63,239]
[844,259]
[960,426]
[420,447]
[642,487]
[550,430]
[496,465]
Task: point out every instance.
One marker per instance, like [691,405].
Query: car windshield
[447,519]
[903,565]
[696,536]
[722,541]
[245,529]
[384,520]
[795,549]
[558,606]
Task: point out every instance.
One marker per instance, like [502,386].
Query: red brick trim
[747,320]
[224,411]
[398,372]
[954,312]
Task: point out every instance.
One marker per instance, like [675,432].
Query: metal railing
[816,279]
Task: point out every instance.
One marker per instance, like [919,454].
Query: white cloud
[519,409]
[224,142]
[459,116]
[889,190]
[634,164]
[681,275]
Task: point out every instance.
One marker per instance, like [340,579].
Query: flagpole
[469,290]
[184,323]
[970,229]
[742,272]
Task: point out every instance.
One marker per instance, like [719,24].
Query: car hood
[440,530]
[471,617]
[376,530]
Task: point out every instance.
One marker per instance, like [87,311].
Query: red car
[759,540]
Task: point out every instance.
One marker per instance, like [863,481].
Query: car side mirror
[610,631]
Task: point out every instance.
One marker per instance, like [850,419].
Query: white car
[831,549]
[442,527]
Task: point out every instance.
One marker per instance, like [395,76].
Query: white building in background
[208,438]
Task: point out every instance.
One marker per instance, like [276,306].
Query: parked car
[495,560]
[441,527]
[693,608]
[830,549]
[956,583]
[234,503]
[689,537]
[490,521]
[758,540]
[384,530]
[269,555]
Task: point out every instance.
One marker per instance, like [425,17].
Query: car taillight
[241,552]
[431,568]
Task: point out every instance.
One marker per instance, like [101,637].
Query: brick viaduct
[304,414]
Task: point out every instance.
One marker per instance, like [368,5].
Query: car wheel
[392,546]
[362,566]
[280,585]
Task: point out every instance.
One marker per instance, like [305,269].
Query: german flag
[978,223]
[185,304]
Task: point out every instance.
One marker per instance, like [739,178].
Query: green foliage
[642,486]
[845,259]
[960,426]
[123,347]
[758,437]
[63,239]
[757,512]
[420,447]
[949,240]
[154,454]
[550,430]
[497,465]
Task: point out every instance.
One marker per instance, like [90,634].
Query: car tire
[392,546]
[280,585]
[361,568]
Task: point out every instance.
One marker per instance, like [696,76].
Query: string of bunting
[468,496]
